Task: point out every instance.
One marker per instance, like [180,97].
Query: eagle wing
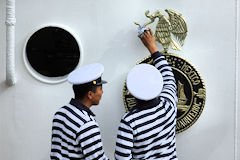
[163,31]
[163,34]
[179,25]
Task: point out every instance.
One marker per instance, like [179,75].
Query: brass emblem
[191,90]
[175,25]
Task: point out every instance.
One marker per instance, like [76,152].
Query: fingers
[150,31]
[144,35]
[147,33]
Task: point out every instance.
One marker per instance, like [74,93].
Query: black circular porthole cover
[52,52]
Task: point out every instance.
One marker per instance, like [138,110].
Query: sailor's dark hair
[81,90]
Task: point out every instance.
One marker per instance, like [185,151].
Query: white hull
[108,35]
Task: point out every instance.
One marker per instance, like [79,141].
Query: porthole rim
[37,75]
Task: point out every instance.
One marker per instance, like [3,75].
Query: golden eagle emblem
[175,25]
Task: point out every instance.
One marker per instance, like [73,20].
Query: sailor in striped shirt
[75,132]
[148,130]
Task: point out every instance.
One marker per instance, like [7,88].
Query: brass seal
[191,91]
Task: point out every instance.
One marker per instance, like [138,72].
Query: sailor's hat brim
[86,74]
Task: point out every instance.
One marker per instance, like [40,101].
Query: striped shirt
[148,130]
[75,134]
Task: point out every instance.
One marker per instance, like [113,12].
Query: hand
[148,40]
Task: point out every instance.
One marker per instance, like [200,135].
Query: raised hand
[148,40]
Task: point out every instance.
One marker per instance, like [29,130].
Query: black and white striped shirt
[148,130]
[75,134]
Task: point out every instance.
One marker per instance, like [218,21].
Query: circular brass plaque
[191,91]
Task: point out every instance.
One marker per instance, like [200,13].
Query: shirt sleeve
[89,139]
[169,90]
[124,141]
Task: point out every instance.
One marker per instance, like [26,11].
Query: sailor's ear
[90,95]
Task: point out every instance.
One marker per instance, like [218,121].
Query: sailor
[148,130]
[75,132]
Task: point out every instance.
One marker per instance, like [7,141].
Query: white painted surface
[237,101]
[108,36]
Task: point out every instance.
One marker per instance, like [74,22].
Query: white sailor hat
[144,82]
[88,74]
